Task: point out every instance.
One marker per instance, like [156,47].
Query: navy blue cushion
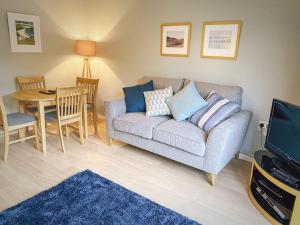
[134,97]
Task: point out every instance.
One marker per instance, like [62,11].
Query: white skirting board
[245,157]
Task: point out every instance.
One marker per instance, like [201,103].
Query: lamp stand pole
[86,68]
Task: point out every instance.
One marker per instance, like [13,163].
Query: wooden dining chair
[32,83]
[29,83]
[16,121]
[69,109]
[91,85]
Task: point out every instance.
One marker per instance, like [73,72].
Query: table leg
[22,131]
[42,132]
[85,121]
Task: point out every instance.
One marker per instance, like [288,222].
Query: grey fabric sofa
[181,141]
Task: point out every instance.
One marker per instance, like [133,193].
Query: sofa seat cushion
[183,135]
[138,123]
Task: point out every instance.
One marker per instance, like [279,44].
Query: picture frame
[175,39]
[24,32]
[220,40]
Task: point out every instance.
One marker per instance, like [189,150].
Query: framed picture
[24,32]
[175,39]
[220,40]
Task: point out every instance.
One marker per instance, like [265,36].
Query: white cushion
[156,102]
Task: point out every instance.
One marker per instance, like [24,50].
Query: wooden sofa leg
[212,178]
[110,141]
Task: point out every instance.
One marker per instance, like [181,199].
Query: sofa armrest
[225,140]
[113,109]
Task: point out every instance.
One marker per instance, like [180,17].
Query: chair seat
[89,106]
[52,117]
[47,109]
[14,119]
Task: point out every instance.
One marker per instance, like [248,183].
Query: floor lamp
[87,49]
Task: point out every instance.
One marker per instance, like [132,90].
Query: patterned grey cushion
[138,123]
[183,135]
[156,102]
[217,110]
[161,83]
[17,118]
[233,93]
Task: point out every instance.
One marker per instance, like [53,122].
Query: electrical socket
[265,127]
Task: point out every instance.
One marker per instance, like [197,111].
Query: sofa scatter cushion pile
[185,102]
[156,102]
[134,97]
[217,110]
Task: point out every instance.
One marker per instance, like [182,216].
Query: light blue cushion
[14,119]
[185,102]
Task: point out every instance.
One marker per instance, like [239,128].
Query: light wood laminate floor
[173,185]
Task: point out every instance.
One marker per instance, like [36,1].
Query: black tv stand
[276,200]
[287,168]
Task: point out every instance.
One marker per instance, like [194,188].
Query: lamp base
[86,72]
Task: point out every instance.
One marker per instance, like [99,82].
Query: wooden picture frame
[24,32]
[175,39]
[220,39]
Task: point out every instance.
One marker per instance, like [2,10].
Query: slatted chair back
[3,117]
[91,85]
[69,102]
[31,83]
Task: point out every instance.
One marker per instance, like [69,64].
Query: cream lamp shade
[86,48]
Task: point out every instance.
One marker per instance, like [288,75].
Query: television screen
[283,135]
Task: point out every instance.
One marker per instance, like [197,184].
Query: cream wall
[128,32]
[268,60]
[61,23]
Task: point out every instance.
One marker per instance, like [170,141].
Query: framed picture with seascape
[175,39]
[220,40]
[24,32]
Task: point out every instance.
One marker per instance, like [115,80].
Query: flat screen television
[283,133]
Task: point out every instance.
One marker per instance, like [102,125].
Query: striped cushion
[217,110]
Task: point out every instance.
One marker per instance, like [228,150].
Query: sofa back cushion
[233,93]
[162,83]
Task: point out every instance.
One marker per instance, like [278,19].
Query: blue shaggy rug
[87,198]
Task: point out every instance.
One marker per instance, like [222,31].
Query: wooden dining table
[42,100]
